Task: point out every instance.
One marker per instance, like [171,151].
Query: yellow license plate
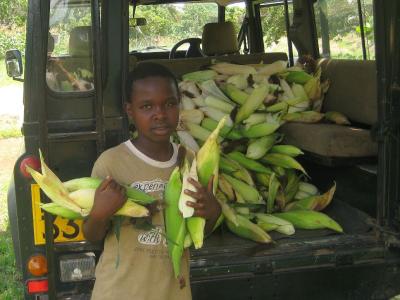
[63,230]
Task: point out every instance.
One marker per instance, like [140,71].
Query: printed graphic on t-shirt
[155,236]
[149,186]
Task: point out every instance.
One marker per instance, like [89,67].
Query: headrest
[219,39]
[80,41]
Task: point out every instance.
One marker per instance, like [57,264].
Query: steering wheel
[193,50]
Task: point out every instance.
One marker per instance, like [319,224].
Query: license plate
[64,230]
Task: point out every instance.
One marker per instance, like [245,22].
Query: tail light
[31,161]
[37,265]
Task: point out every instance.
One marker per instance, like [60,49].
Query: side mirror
[14,63]
[135,22]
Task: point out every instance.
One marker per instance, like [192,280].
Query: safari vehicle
[77,56]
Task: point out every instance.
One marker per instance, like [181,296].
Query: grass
[11,287]
[9,127]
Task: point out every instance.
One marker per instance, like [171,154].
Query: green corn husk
[174,221]
[241,210]
[299,77]
[284,105]
[309,219]
[303,117]
[244,175]
[249,193]
[226,188]
[249,163]
[260,130]
[282,160]
[136,195]
[217,115]
[272,191]
[58,210]
[52,186]
[248,230]
[226,132]
[269,222]
[292,185]
[290,150]
[84,198]
[254,101]
[259,147]
[197,131]
[316,202]
[219,104]
[263,179]
[337,118]
[207,166]
[254,119]
[228,165]
[199,76]
[236,94]
[308,188]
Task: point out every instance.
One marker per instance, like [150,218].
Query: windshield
[168,24]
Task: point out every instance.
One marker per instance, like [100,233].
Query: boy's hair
[145,70]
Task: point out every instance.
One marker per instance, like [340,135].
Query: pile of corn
[74,199]
[261,185]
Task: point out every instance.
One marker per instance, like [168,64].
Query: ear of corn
[233,69]
[248,230]
[217,115]
[300,77]
[226,188]
[308,188]
[313,202]
[255,119]
[174,221]
[249,163]
[259,147]
[249,193]
[282,160]
[191,115]
[239,80]
[290,150]
[197,131]
[283,105]
[263,179]
[199,76]
[272,191]
[268,221]
[260,130]
[274,68]
[84,198]
[56,209]
[337,117]
[236,94]
[219,104]
[309,219]
[187,140]
[292,185]
[255,99]
[244,175]
[135,195]
[303,117]
[226,131]
[207,166]
[188,171]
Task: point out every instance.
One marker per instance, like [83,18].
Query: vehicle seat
[219,39]
[353,92]
[80,41]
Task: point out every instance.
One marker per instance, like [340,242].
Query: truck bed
[229,267]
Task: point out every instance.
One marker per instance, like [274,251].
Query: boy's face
[154,108]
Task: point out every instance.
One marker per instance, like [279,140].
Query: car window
[345,29]
[69,49]
[273,25]
[167,24]
[236,14]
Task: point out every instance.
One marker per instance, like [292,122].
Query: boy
[145,269]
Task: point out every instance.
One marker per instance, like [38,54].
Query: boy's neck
[157,151]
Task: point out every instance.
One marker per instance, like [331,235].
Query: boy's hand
[108,199]
[206,206]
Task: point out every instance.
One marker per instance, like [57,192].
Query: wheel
[193,50]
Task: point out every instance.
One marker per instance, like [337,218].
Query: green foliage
[13,12]
[273,24]
[10,278]
[11,38]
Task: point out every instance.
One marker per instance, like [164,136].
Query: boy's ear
[128,108]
